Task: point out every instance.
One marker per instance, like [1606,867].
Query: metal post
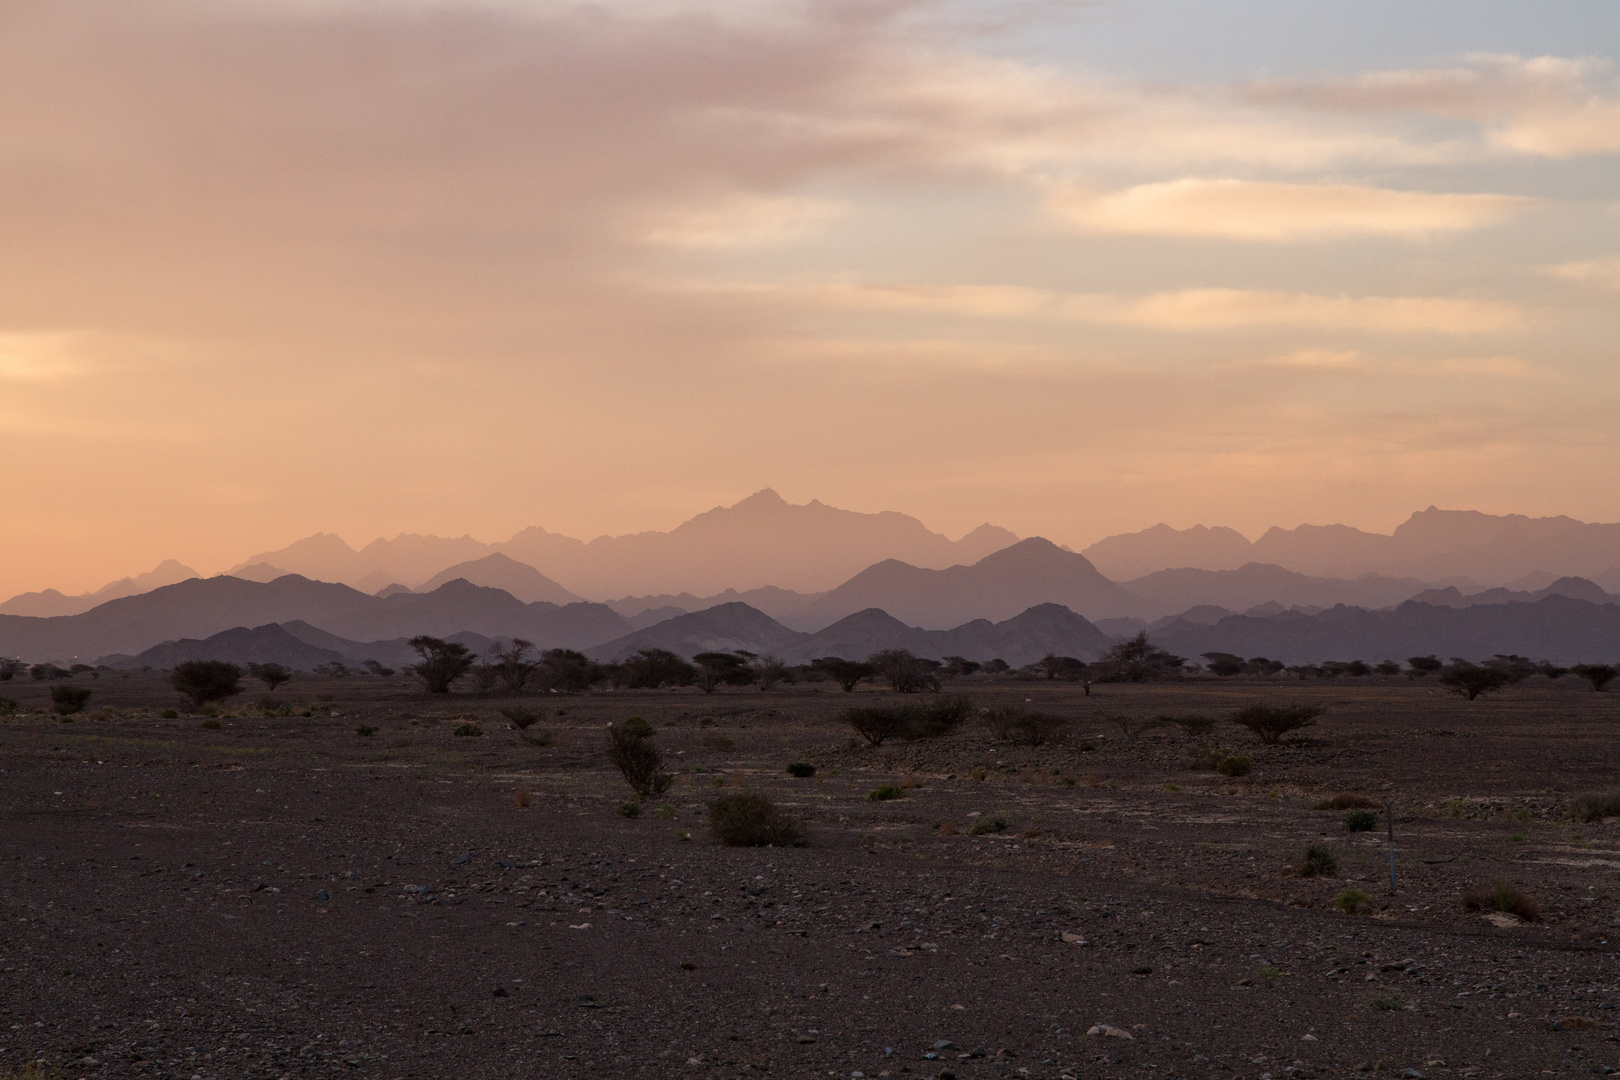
[1389,819]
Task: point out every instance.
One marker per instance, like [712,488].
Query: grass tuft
[750,819]
[1502,897]
[1318,862]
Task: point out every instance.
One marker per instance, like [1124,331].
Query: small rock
[1307,1038]
[462,859]
[500,991]
[1109,1032]
[1141,971]
[1411,1074]
[944,1044]
[323,895]
[1072,938]
[807,1038]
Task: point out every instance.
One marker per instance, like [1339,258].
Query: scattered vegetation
[631,809]
[365,731]
[1015,724]
[1348,801]
[1272,722]
[1350,901]
[886,792]
[1502,897]
[1385,999]
[632,753]
[1234,765]
[8,706]
[1599,675]
[204,681]
[1472,680]
[272,675]
[984,825]
[523,718]
[877,723]
[1192,726]
[846,673]
[442,663]
[212,724]
[538,738]
[468,731]
[1360,819]
[67,699]
[905,673]
[1137,660]
[1134,727]
[803,770]
[750,819]
[1595,806]
[1318,862]
[510,664]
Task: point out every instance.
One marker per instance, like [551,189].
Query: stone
[944,1044]
[462,860]
[323,895]
[1108,1031]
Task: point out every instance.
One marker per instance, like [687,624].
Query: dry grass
[1502,897]
[522,800]
[1349,801]
[1595,806]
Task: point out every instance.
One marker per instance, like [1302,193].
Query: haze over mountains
[975,593]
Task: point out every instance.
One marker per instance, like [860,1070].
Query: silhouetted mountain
[1258,583]
[1023,639]
[998,586]
[200,608]
[1555,628]
[761,541]
[261,645]
[499,571]
[1132,555]
[779,604]
[262,572]
[725,628]
[1573,587]
[1439,546]
[50,603]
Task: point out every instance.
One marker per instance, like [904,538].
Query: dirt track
[281,897]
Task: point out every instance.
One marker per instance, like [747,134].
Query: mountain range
[49,602]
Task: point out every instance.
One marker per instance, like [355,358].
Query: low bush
[666,811]
[994,824]
[1272,722]
[538,738]
[886,793]
[1193,727]
[8,706]
[630,809]
[67,699]
[1318,862]
[1234,765]
[1348,801]
[750,819]
[1018,725]
[1133,727]
[1595,806]
[170,714]
[1385,1000]
[1351,901]
[365,731]
[717,742]
[1502,897]
[877,724]
[204,681]
[803,770]
[212,725]
[523,718]
[631,750]
[467,730]
[1360,820]
[522,800]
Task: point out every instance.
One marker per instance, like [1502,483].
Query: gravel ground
[281,897]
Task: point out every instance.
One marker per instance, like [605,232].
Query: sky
[466,266]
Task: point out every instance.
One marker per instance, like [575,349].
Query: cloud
[739,220]
[1176,311]
[1276,212]
[1602,273]
[1543,106]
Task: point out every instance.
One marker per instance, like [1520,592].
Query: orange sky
[458,267]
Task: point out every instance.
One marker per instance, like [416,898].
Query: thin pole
[1389,819]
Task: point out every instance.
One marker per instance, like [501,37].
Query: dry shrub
[945,828]
[1193,726]
[1595,806]
[631,751]
[523,718]
[522,800]
[1318,861]
[1348,801]
[1272,722]
[717,742]
[993,824]
[1351,901]
[1234,765]
[750,819]
[1502,897]
[930,720]
[1019,725]
[538,738]
[1362,820]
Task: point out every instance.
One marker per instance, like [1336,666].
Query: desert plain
[278,895]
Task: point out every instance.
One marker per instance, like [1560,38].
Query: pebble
[1109,1031]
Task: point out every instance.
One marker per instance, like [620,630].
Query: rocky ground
[279,896]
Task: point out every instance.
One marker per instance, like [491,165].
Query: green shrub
[1361,820]
[994,824]
[801,769]
[1351,901]
[1346,801]
[1318,862]
[8,706]
[631,750]
[885,793]
[1385,1000]
[365,731]
[212,724]
[1234,765]
[630,809]
[1595,806]
[538,738]
[750,819]
[170,714]
[1502,897]
[468,731]
[67,699]
[1272,722]
[665,811]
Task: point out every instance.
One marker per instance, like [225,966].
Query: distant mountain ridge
[761,541]
[1434,545]
[50,603]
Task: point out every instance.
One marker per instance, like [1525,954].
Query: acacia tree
[1272,722]
[714,668]
[1599,675]
[511,665]
[769,670]
[846,673]
[1138,660]
[1419,666]
[443,662]
[1471,680]
[272,675]
[906,674]
[206,680]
